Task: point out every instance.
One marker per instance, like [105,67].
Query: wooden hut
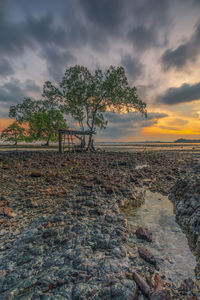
[67,137]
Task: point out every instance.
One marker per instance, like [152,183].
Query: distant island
[186,141]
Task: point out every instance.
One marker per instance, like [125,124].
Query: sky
[157,42]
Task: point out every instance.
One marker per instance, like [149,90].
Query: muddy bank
[62,235]
[186,198]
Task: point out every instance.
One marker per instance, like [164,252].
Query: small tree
[87,96]
[43,118]
[13,133]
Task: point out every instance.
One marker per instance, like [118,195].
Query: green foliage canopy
[43,118]
[86,96]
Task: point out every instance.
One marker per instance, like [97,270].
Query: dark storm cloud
[14,37]
[43,31]
[5,68]
[184,93]
[126,20]
[58,31]
[62,26]
[151,23]
[186,52]
[107,14]
[38,33]
[143,38]
[14,91]
[11,92]
[58,61]
[121,125]
[133,66]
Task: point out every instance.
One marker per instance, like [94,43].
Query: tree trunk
[83,142]
[47,142]
[90,146]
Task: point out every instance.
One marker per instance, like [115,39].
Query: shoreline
[67,238]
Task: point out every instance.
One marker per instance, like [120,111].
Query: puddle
[169,245]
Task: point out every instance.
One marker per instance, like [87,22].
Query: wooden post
[60,142]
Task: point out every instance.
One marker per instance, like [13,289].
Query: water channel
[169,246]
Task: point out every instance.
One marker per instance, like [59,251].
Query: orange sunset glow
[4,123]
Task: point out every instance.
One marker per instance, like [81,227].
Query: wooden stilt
[60,142]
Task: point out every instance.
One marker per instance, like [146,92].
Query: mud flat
[62,234]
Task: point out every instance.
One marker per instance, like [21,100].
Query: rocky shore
[185,195]
[62,234]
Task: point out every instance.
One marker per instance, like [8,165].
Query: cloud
[11,92]
[14,91]
[90,32]
[143,38]
[14,36]
[5,68]
[60,33]
[43,30]
[178,122]
[126,22]
[124,125]
[57,61]
[176,95]
[133,66]
[183,54]
[107,14]
[38,33]
[31,86]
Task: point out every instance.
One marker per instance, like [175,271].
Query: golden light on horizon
[4,123]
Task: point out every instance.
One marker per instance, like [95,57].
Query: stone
[2,232]
[144,234]
[161,295]
[37,174]
[147,255]
[7,211]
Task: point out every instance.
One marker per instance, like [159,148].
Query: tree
[43,117]
[45,125]
[87,96]
[13,133]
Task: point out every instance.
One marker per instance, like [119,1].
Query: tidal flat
[65,230]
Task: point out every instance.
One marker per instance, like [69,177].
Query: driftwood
[159,292]
[142,284]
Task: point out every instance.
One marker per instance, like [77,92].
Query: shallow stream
[169,246]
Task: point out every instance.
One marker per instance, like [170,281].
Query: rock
[161,295]
[2,232]
[49,233]
[109,190]
[2,221]
[7,211]
[147,255]
[144,234]
[37,174]
[119,252]
[68,240]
